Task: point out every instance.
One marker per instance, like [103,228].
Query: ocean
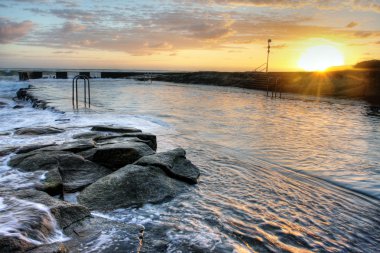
[297,174]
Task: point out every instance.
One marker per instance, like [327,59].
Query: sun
[319,58]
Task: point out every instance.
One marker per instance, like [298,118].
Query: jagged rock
[52,183]
[91,232]
[38,130]
[149,139]
[90,135]
[174,163]
[115,156]
[76,172]
[130,186]
[115,129]
[57,247]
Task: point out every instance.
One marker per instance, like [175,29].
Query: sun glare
[319,58]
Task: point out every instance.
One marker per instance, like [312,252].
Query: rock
[38,130]
[131,185]
[115,156]
[52,183]
[7,151]
[74,146]
[4,133]
[149,139]
[28,148]
[57,247]
[90,135]
[76,172]
[115,129]
[103,235]
[18,106]
[3,104]
[174,163]
[65,213]
[10,244]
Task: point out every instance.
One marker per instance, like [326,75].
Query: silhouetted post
[269,41]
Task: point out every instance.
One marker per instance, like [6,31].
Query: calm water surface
[265,163]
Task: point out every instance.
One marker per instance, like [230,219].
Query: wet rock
[3,104]
[76,172]
[57,247]
[10,244]
[4,133]
[29,148]
[64,212]
[52,183]
[115,156]
[74,146]
[131,185]
[149,139]
[38,130]
[90,135]
[7,151]
[18,107]
[115,129]
[103,235]
[174,163]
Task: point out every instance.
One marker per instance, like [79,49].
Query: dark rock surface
[73,146]
[38,130]
[52,183]
[149,139]
[64,212]
[117,155]
[12,244]
[115,129]
[131,185]
[29,148]
[174,163]
[76,172]
[115,236]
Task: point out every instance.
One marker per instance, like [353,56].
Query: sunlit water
[255,154]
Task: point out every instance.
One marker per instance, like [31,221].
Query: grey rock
[131,185]
[174,163]
[38,130]
[73,146]
[4,133]
[29,148]
[64,212]
[7,151]
[117,155]
[76,172]
[57,247]
[149,139]
[88,233]
[11,244]
[18,107]
[115,129]
[52,184]
[91,135]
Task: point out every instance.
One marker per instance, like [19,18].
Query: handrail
[86,80]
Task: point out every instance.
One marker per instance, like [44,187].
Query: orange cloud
[12,31]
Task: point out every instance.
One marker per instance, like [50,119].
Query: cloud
[12,31]
[363,34]
[351,24]
[73,14]
[70,27]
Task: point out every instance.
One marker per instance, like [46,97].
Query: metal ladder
[86,81]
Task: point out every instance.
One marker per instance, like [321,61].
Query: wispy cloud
[351,24]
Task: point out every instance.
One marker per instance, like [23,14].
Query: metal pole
[73,92]
[89,95]
[269,41]
[85,93]
[76,89]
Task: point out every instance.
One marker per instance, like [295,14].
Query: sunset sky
[183,35]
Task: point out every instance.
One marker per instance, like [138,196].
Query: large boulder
[29,148]
[115,129]
[117,155]
[131,185]
[174,163]
[76,172]
[149,139]
[38,130]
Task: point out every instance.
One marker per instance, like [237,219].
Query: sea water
[291,174]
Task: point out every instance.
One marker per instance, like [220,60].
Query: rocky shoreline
[106,168]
